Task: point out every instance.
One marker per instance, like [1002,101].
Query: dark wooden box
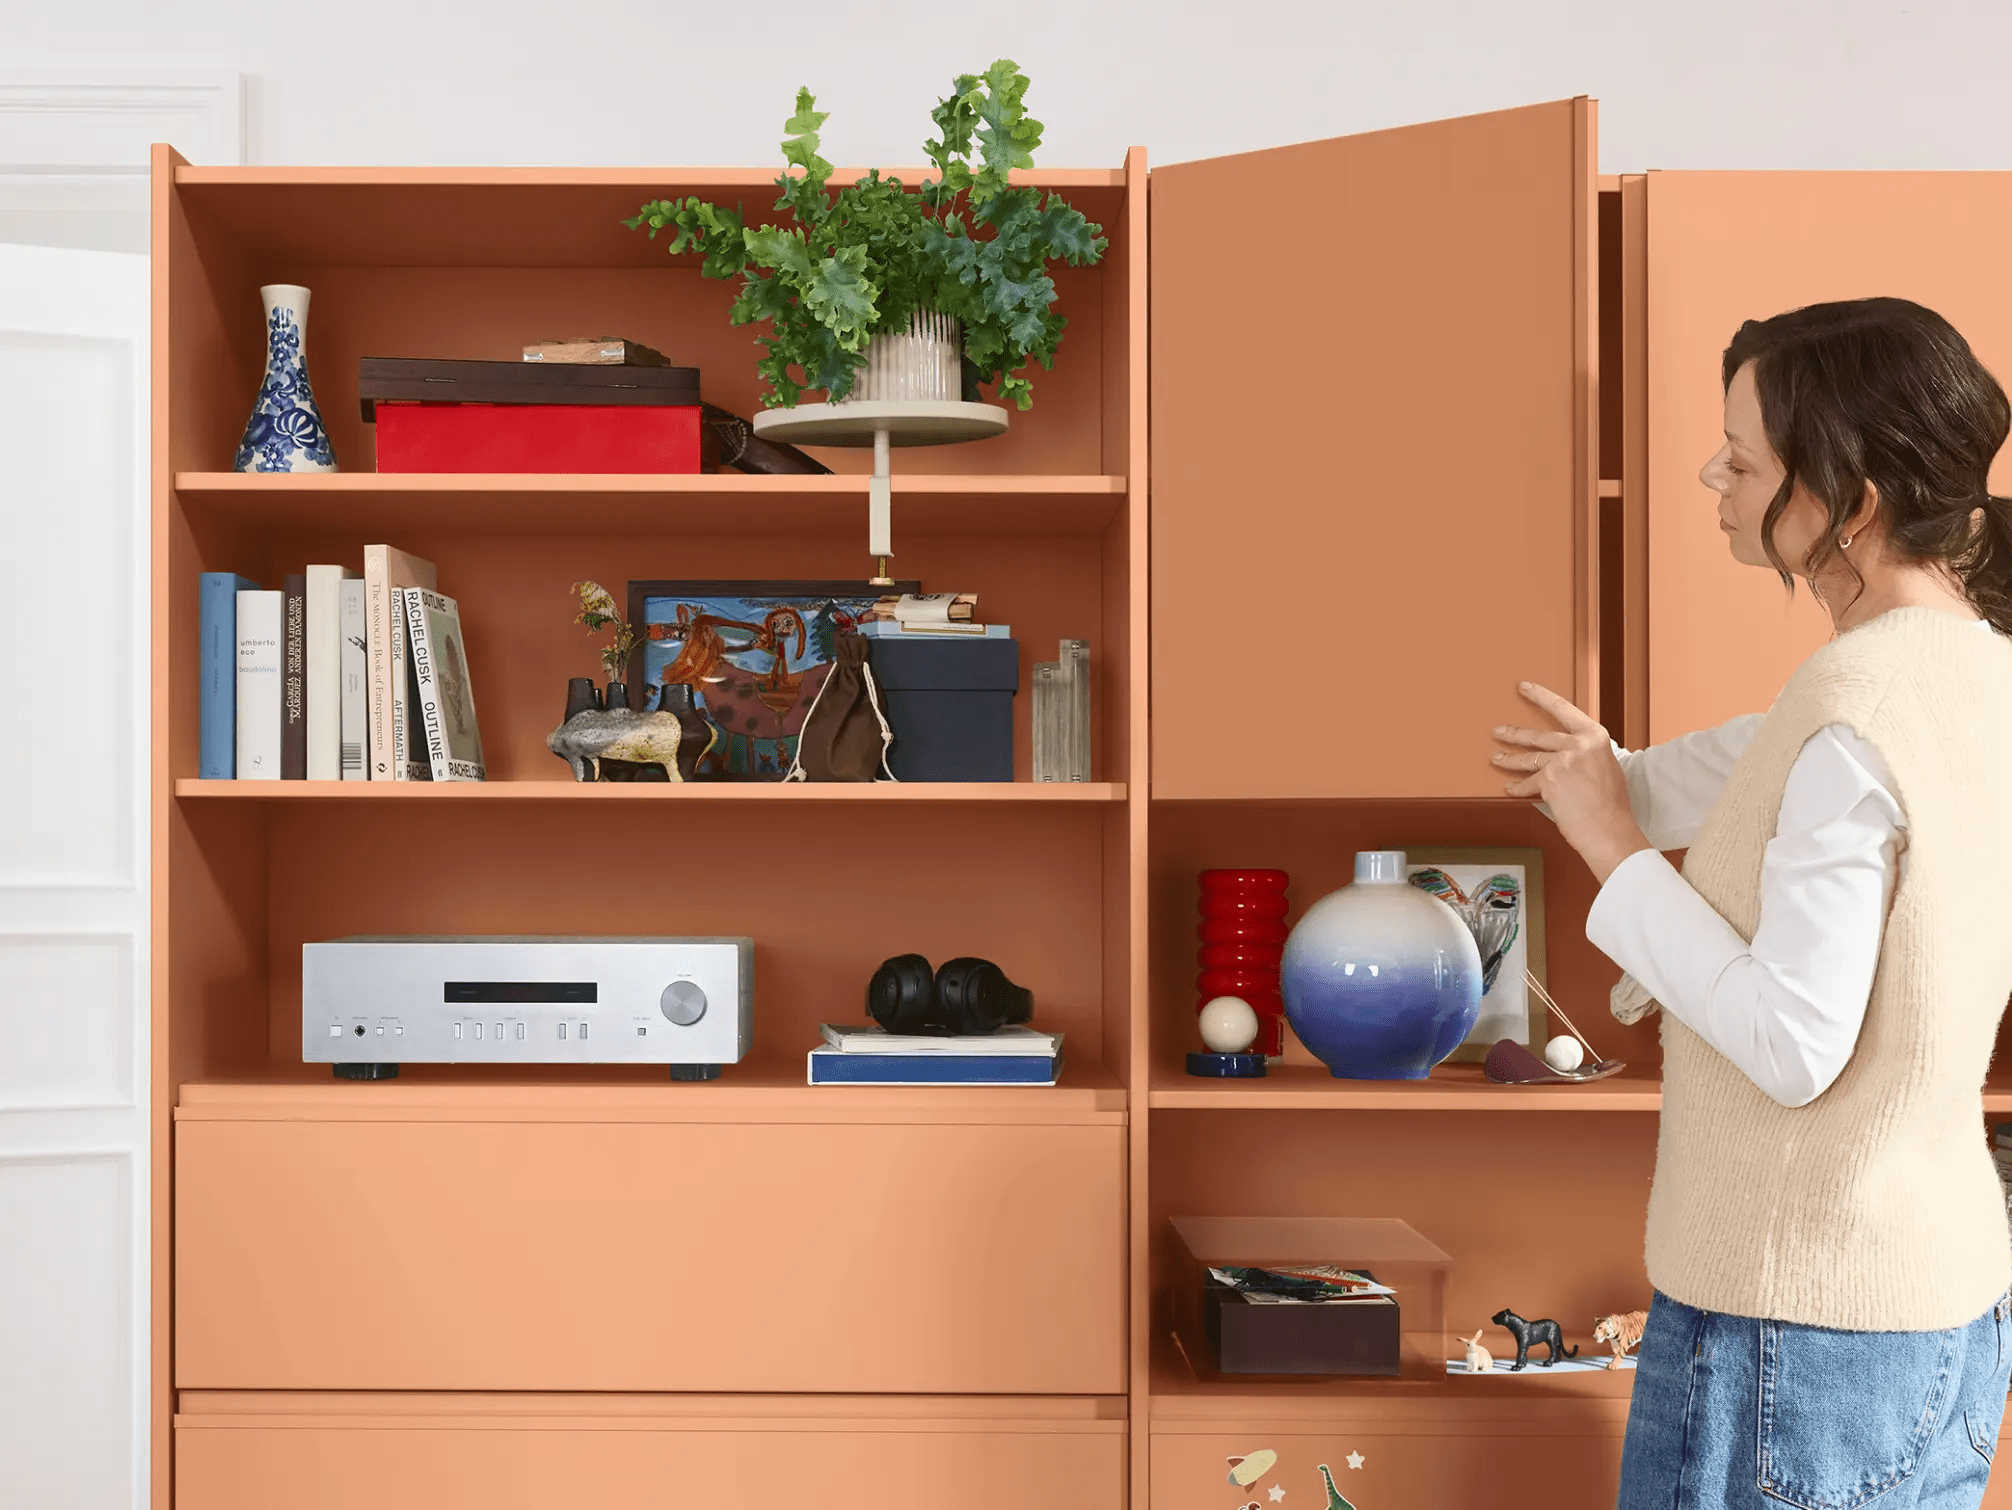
[1350,1338]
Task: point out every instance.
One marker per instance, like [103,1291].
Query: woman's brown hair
[1885,391]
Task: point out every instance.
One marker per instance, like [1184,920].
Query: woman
[1827,1237]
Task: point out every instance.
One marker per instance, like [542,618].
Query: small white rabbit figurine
[1479,1360]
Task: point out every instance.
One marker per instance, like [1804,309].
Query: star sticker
[1355,1460]
[1277,1493]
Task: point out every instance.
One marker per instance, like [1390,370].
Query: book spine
[259,655]
[412,765]
[218,752]
[426,684]
[827,1068]
[1075,674]
[293,681]
[324,672]
[354,677]
[377,604]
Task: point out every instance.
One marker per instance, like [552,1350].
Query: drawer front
[1420,1468]
[652,1257]
[428,1464]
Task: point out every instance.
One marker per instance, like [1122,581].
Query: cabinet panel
[1372,461]
[509,1256]
[1510,1464]
[513,1461]
[1728,247]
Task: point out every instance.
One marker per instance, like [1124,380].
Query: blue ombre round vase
[1380,980]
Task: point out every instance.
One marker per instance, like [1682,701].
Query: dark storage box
[442,416]
[1355,1337]
[950,704]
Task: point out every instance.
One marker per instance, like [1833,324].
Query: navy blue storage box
[950,704]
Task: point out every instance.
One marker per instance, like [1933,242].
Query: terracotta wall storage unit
[747,1288]
[1723,248]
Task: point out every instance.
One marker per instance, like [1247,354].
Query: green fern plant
[855,263]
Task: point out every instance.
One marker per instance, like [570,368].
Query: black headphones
[965,996]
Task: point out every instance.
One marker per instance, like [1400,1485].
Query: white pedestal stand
[881,423]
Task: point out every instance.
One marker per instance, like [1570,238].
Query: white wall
[1681,84]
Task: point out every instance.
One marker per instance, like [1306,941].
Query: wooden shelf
[925,504]
[195,787]
[1451,1087]
[1183,1401]
[759,1091]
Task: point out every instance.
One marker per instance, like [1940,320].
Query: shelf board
[195,787]
[709,503]
[1451,1087]
[1183,1402]
[768,1091]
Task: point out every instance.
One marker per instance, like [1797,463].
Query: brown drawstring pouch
[845,735]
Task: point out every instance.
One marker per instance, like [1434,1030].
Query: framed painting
[754,655]
[1499,894]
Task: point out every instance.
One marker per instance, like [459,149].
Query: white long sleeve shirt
[1785,1008]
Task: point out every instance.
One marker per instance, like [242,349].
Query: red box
[538,438]
[452,416]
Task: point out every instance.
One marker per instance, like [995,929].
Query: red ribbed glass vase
[1242,935]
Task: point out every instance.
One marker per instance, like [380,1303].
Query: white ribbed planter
[924,362]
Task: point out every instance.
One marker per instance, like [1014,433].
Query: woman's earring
[1844,544]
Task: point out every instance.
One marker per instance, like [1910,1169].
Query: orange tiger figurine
[1621,1333]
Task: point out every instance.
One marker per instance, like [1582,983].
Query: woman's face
[1746,474]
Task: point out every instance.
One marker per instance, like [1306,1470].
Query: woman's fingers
[1566,713]
[1536,739]
[1529,786]
[1522,760]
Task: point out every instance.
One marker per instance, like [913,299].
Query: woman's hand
[1572,768]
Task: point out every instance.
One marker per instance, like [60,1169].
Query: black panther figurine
[1528,1332]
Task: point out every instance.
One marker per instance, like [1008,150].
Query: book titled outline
[218,723]
[443,711]
[260,703]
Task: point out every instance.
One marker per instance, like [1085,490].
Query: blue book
[887,629]
[219,672]
[829,1066]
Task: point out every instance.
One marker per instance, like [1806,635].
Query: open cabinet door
[1373,472]
[1728,247]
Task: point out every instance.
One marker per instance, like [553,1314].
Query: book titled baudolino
[444,699]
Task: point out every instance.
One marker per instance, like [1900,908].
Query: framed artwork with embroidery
[754,654]
[1499,894]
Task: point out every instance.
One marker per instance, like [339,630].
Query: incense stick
[1545,997]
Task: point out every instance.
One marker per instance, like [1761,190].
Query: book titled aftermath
[443,711]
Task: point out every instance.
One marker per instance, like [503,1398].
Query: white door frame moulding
[79,139]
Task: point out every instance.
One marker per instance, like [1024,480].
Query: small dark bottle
[581,696]
[618,696]
[694,732]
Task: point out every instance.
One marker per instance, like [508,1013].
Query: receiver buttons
[683,1002]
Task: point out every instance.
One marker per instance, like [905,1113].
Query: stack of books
[873,1056]
[336,675]
[930,615]
[1062,714]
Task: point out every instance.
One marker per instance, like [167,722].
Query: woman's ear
[1865,514]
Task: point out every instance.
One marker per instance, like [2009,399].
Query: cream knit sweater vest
[1876,1207]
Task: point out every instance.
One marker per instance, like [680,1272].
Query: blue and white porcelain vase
[1380,980]
[285,432]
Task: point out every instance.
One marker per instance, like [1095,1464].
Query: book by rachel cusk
[444,714]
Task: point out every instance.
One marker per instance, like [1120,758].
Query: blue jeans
[1735,1413]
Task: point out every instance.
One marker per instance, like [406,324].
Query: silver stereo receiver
[368,1005]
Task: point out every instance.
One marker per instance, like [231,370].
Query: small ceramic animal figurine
[1529,1333]
[1479,1359]
[618,734]
[1621,1333]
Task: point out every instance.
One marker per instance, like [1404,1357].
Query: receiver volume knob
[683,1002]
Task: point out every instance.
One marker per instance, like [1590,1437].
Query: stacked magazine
[874,1056]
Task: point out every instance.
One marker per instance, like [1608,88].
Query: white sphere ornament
[1564,1053]
[1229,1024]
